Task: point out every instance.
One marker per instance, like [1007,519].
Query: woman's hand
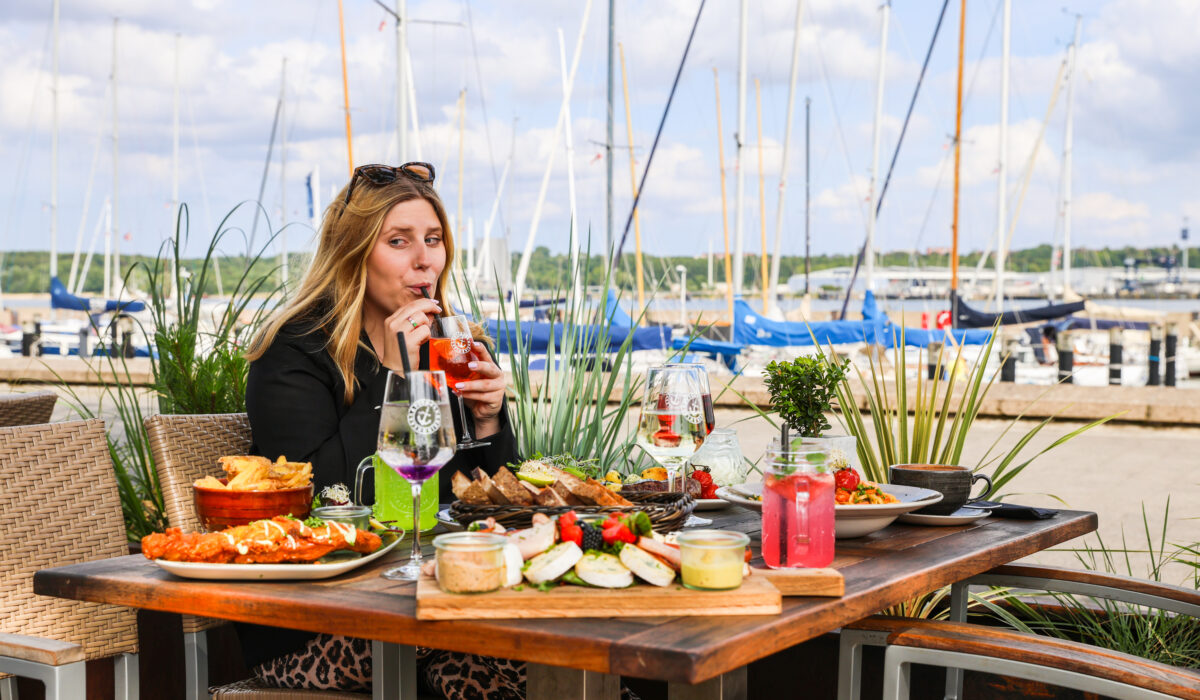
[484,396]
[413,320]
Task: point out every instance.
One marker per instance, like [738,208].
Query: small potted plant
[802,392]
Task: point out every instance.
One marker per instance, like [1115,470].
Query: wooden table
[700,657]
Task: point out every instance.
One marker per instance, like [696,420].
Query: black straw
[433,332]
[783,440]
[403,353]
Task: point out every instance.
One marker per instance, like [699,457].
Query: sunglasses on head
[385,174]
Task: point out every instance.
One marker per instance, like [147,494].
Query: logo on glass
[424,418]
[462,344]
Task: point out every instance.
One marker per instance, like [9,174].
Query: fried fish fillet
[279,540]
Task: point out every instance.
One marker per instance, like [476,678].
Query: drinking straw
[432,332]
[403,353]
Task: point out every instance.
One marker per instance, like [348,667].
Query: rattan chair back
[59,505]
[27,409]
[186,448]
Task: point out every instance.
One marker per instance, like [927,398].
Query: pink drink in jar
[797,525]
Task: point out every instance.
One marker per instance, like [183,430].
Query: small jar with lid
[358,516]
[712,560]
[469,562]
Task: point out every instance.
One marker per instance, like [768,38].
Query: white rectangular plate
[271,572]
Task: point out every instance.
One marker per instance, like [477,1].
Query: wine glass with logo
[452,353]
[416,439]
[671,427]
[710,416]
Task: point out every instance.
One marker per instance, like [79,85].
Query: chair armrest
[39,650]
[1031,649]
[1152,594]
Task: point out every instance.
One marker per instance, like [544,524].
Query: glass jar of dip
[712,560]
[469,562]
[358,516]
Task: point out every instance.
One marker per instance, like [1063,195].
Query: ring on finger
[413,321]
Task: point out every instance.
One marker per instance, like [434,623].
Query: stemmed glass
[416,439]
[451,353]
[710,416]
[671,427]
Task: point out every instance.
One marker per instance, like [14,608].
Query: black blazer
[294,398]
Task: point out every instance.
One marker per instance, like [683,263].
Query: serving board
[756,596]
[822,583]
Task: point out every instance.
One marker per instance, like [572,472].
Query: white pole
[710,263]
[108,236]
[283,246]
[412,110]
[1002,181]
[169,291]
[739,140]
[401,79]
[783,163]
[883,37]
[102,224]
[484,272]
[683,321]
[316,196]
[523,267]
[1068,139]
[54,154]
[114,244]
[574,222]
[470,247]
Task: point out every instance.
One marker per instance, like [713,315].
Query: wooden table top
[882,569]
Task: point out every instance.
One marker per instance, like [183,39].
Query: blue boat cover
[617,317]
[60,298]
[875,327]
[536,336]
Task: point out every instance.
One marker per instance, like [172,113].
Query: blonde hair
[332,291]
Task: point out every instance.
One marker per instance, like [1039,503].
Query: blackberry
[592,537]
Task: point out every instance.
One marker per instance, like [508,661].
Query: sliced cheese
[553,563]
[603,570]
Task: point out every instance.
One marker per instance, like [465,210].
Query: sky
[1136,153]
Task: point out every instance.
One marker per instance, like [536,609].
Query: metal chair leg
[8,688]
[67,682]
[896,672]
[195,665]
[850,660]
[125,677]
[393,671]
[958,613]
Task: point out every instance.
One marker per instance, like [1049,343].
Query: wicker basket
[667,511]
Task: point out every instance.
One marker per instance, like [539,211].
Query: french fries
[250,473]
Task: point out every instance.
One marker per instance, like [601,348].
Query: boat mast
[886,9]
[724,205]
[401,89]
[345,88]
[54,153]
[962,30]
[283,242]
[113,247]
[573,222]
[807,190]
[1068,150]
[637,225]
[762,197]
[608,144]
[174,178]
[523,266]
[773,283]
[1002,180]
[739,140]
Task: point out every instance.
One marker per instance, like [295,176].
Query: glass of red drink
[452,354]
[798,509]
[710,416]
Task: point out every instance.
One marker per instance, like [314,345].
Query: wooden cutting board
[827,583]
[756,596]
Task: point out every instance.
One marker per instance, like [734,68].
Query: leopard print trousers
[332,662]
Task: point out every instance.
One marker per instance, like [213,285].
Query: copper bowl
[219,509]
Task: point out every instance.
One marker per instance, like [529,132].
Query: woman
[316,382]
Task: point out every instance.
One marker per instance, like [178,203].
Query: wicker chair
[185,448]
[59,504]
[26,409]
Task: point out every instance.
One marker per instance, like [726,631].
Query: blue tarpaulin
[617,316]
[536,336]
[60,298]
[875,327]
